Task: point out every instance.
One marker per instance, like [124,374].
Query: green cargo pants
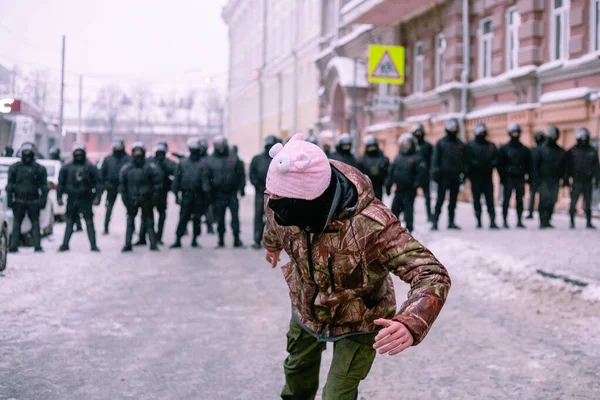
[352,360]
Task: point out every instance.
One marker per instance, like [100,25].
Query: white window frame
[512,38]
[440,49]
[485,52]
[419,63]
[595,25]
[562,13]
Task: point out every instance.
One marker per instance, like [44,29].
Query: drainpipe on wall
[466,66]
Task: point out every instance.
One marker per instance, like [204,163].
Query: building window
[559,29]
[440,48]
[513,20]
[595,13]
[485,48]
[418,70]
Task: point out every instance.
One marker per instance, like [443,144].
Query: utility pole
[62,93]
[79,110]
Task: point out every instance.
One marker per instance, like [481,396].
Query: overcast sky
[156,40]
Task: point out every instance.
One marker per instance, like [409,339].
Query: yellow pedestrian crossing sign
[386,64]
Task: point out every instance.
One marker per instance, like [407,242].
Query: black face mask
[419,136]
[118,152]
[372,150]
[27,157]
[305,213]
[78,158]
[452,134]
[345,149]
[584,141]
[195,154]
[160,156]
[480,138]
[138,159]
[515,137]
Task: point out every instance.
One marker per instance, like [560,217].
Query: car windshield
[4,170]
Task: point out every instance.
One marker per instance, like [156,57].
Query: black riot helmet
[118,146]
[27,152]
[313,139]
[553,134]
[408,143]
[9,151]
[234,150]
[451,127]
[418,131]
[539,137]
[54,153]
[220,145]
[344,143]
[160,151]
[371,145]
[138,151]
[514,131]
[270,141]
[164,144]
[480,132]
[79,153]
[583,136]
[195,148]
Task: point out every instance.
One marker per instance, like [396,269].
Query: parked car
[46,215]
[53,169]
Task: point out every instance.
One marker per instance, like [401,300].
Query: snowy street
[211,324]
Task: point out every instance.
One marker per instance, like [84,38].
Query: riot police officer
[583,168]
[27,194]
[189,191]
[258,178]
[225,178]
[514,168]
[111,168]
[81,181]
[375,165]
[448,171]
[343,151]
[540,138]
[481,158]
[425,150]
[406,172]
[140,186]
[166,168]
[549,168]
[54,154]
[313,139]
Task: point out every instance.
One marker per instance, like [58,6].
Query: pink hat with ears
[299,170]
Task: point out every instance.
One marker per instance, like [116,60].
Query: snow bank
[500,109]
[384,125]
[564,95]
[345,69]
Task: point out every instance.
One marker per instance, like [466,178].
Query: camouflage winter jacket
[339,282]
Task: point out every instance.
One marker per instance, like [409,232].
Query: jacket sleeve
[435,158]
[405,257]
[123,181]
[467,159]
[43,184]
[253,172]
[272,236]
[177,179]
[12,179]
[501,164]
[389,177]
[62,181]
[241,174]
[207,177]
[104,170]
[97,179]
[156,178]
[495,157]
[596,171]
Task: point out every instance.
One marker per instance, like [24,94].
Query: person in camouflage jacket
[343,243]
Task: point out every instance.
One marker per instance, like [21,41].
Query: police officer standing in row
[540,138]
[54,154]
[81,181]
[406,173]
[514,168]
[375,165]
[140,187]
[189,187]
[111,168]
[481,158]
[425,150]
[225,177]
[549,168]
[583,169]
[166,168]
[258,178]
[343,151]
[448,171]
[27,194]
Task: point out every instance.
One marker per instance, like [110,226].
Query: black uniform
[346,157]
[540,138]
[425,151]
[140,187]
[111,168]
[406,172]
[514,167]
[448,171]
[549,169]
[481,158]
[225,177]
[583,168]
[27,194]
[258,177]
[81,181]
[375,165]
[189,189]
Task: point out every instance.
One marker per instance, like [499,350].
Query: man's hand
[96,201]
[60,202]
[178,199]
[243,192]
[272,257]
[394,339]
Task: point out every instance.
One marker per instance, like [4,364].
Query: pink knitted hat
[299,170]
